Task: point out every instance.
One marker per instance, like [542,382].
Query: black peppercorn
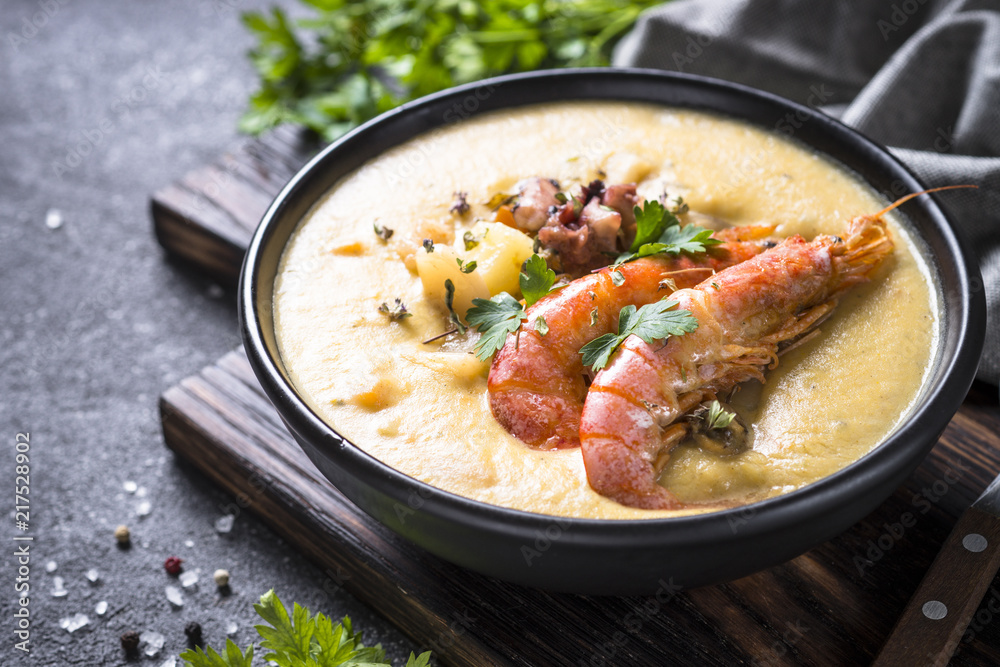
[130,641]
[193,632]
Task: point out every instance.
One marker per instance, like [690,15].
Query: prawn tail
[615,433]
[539,419]
[623,475]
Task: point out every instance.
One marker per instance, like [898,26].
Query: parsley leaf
[537,280]
[659,231]
[597,352]
[297,640]
[677,239]
[650,222]
[653,321]
[231,657]
[502,314]
[494,319]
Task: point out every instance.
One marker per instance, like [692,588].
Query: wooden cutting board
[834,605]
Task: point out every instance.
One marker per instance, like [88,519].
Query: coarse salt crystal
[74,622]
[224,524]
[153,641]
[58,589]
[175,596]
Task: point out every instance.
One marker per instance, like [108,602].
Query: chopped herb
[428,245]
[383,233]
[618,278]
[659,231]
[466,267]
[494,319]
[460,205]
[541,326]
[718,417]
[449,300]
[653,321]
[500,199]
[536,280]
[470,241]
[396,312]
[593,295]
[680,206]
[561,197]
[716,286]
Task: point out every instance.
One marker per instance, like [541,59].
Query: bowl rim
[770,514]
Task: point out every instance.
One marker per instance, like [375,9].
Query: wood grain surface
[835,605]
[208,216]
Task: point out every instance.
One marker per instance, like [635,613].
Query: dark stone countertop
[100,105]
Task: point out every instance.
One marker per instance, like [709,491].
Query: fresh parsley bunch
[356,59]
[299,640]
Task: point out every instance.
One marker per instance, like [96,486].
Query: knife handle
[938,614]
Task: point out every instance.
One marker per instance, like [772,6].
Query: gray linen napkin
[920,76]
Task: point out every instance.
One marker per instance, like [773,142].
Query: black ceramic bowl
[603,556]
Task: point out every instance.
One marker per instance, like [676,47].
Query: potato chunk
[499,256]
[434,268]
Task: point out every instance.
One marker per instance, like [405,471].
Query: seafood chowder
[607,310]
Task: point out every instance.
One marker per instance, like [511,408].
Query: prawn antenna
[903,200]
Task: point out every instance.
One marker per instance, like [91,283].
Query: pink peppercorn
[173,565]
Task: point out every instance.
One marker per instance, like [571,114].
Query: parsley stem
[439,336]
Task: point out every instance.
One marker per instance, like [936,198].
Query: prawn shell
[537,383]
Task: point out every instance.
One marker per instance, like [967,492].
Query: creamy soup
[423,409]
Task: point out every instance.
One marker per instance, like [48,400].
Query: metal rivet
[934,610]
[974,542]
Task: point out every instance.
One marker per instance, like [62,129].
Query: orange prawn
[631,417]
[537,384]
